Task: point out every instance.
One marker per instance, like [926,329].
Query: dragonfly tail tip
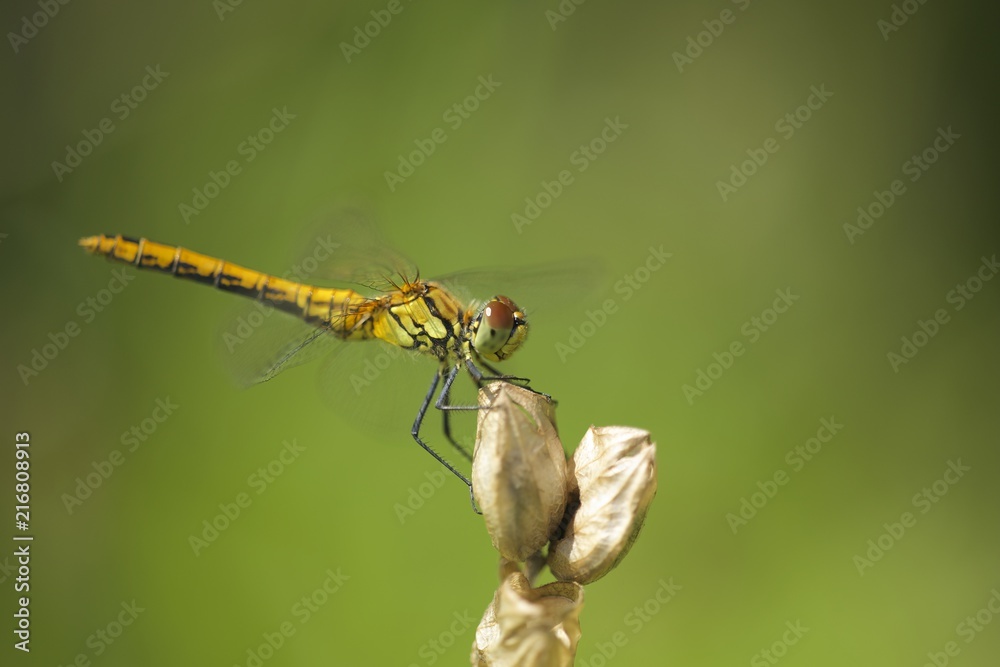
[88,243]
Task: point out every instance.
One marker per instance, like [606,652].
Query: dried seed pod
[529,627]
[613,473]
[518,469]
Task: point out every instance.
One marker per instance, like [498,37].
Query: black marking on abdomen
[190,272]
[230,283]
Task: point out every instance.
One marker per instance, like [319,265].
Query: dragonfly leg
[479,378]
[445,408]
[415,432]
[442,402]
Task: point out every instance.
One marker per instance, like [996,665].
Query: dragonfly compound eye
[502,329]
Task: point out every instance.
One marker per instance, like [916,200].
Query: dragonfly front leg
[445,408]
[479,377]
[415,432]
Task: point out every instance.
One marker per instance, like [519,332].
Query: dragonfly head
[499,329]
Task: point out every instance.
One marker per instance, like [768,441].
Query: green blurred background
[411,581]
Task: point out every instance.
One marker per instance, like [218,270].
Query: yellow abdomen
[344,312]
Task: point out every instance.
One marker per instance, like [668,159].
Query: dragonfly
[423,316]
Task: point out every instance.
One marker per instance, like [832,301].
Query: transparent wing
[542,290]
[346,249]
[258,342]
